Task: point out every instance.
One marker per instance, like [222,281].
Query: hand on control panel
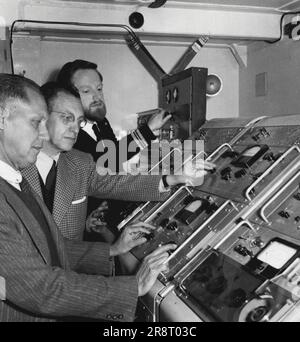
[132,236]
[193,173]
[158,120]
[152,265]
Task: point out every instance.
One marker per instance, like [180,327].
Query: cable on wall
[12,30]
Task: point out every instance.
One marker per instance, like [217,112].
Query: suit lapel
[32,175]
[54,231]
[28,220]
[87,144]
[64,188]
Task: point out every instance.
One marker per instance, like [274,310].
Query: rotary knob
[226,173]
[257,242]
[172,226]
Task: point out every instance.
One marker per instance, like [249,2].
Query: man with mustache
[85,81]
[75,177]
[73,173]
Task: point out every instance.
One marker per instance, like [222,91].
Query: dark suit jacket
[36,291]
[87,144]
[77,178]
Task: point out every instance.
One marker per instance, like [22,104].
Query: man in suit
[76,176]
[43,276]
[85,81]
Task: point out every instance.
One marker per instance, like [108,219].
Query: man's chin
[29,161]
[66,147]
[96,115]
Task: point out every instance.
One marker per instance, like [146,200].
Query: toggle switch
[172,226]
[241,173]
[269,157]
[284,214]
[264,132]
[243,251]
[164,222]
[226,173]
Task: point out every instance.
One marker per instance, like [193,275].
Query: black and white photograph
[149,164]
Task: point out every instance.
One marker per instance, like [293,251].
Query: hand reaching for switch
[192,174]
[133,235]
[96,221]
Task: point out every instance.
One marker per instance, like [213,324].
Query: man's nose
[75,127]
[43,132]
[97,96]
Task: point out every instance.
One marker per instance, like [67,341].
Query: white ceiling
[278,5]
[180,36]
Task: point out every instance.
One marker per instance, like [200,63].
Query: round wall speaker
[136,20]
[214,85]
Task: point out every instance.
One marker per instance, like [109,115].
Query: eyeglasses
[68,119]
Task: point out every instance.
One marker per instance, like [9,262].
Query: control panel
[188,219]
[216,132]
[244,170]
[184,96]
[238,234]
[225,291]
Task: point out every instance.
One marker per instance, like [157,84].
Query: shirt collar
[88,128]
[43,157]
[11,175]
[44,164]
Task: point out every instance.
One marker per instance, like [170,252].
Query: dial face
[276,254]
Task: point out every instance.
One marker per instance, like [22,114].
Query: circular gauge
[168,96]
[175,94]
[257,309]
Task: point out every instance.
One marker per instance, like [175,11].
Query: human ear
[3,114]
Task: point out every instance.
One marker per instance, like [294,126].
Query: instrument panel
[238,234]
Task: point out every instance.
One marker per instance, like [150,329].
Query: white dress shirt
[44,164]
[11,175]
[88,128]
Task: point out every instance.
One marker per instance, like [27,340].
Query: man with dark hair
[75,175]
[84,80]
[44,277]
